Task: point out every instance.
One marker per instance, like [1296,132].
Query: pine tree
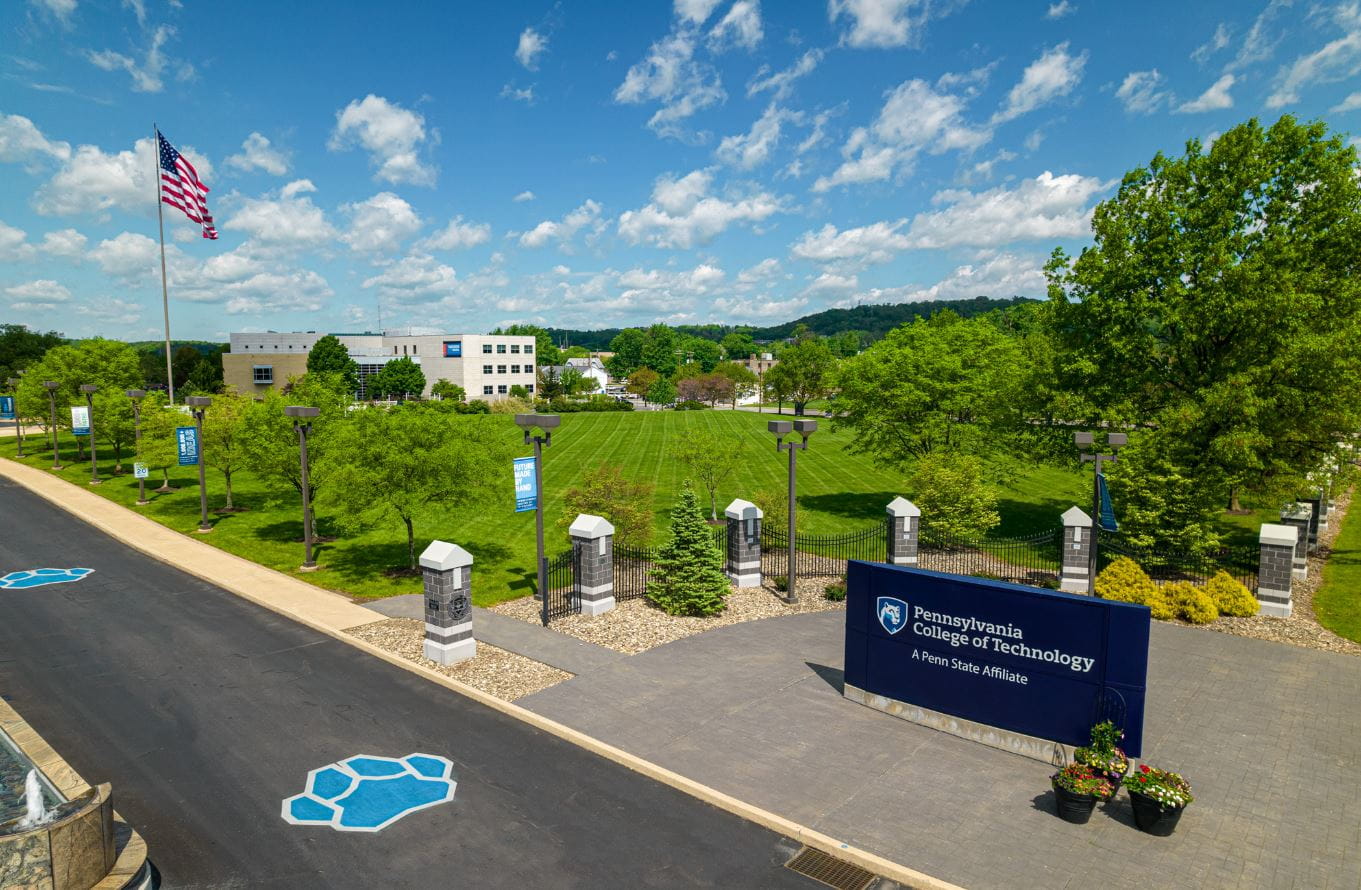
[687,577]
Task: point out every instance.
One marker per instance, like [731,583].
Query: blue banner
[526,484]
[187,439]
[1107,517]
[6,407]
[453,348]
[1024,659]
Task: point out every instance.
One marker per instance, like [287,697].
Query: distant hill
[875,320]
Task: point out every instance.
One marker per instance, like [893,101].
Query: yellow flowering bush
[1231,597]
[1192,603]
[1125,582]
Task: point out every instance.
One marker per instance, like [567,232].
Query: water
[35,813]
[18,779]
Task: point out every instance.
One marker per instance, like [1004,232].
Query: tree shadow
[364,562]
[833,677]
[852,505]
[1026,517]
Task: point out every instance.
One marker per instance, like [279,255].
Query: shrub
[950,489]
[1231,597]
[1124,581]
[626,503]
[691,405]
[1192,603]
[476,406]
[512,405]
[687,577]
[836,591]
[1159,606]
[781,582]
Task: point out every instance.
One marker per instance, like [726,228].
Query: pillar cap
[441,556]
[1076,516]
[1284,535]
[590,527]
[741,510]
[901,506]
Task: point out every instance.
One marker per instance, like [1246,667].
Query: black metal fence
[633,566]
[1167,566]
[1032,559]
[821,555]
[564,586]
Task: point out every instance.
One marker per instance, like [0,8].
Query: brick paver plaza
[1269,736]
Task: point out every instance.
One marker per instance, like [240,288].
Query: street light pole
[547,423]
[90,389]
[136,395]
[13,383]
[782,428]
[197,404]
[1084,441]
[51,387]
[302,422]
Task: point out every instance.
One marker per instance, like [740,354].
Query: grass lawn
[1338,602]
[838,491]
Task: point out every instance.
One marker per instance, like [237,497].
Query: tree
[744,382]
[737,345]
[204,378]
[182,363]
[330,356]
[574,382]
[804,372]
[687,576]
[398,379]
[386,464]
[21,347]
[550,382]
[1221,297]
[708,459]
[1162,498]
[519,392]
[941,384]
[112,366]
[627,347]
[224,446]
[954,498]
[452,391]
[705,353]
[159,449]
[663,392]
[604,491]
[659,350]
[642,380]
[113,423]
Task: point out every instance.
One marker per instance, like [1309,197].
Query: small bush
[687,576]
[476,406]
[836,591]
[1159,606]
[1124,581]
[1192,603]
[691,405]
[1231,597]
[781,582]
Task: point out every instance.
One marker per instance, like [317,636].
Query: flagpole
[160,223]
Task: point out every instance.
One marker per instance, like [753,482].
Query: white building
[593,369]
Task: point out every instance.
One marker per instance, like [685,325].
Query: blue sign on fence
[526,487]
[1024,659]
[6,407]
[187,437]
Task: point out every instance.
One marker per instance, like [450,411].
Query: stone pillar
[743,564]
[904,522]
[1297,515]
[1315,505]
[1275,569]
[593,547]
[1077,550]
[447,570]
[1325,504]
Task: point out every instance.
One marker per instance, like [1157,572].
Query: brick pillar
[1297,515]
[743,563]
[904,522]
[1275,569]
[1325,504]
[1077,550]
[447,570]
[1315,505]
[593,546]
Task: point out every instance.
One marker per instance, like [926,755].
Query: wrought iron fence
[1167,566]
[633,566]
[821,555]
[564,591]
[1033,559]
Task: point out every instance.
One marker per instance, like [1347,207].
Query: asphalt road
[205,711]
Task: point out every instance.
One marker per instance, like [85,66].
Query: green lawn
[1338,602]
[838,491]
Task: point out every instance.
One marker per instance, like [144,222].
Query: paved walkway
[530,640]
[1268,734]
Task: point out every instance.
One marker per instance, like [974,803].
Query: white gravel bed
[636,625]
[494,671]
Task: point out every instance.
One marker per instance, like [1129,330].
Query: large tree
[1221,299]
[659,350]
[112,366]
[627,347]
[21,347]
[328,355]
[804,372]
[398,379]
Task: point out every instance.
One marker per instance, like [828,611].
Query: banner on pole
[6,407]
[187,438]
[140,471]
[1107,518]
[526,484]
[80,420]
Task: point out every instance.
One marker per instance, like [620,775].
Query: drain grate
[829,870]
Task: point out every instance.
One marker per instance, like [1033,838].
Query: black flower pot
[1151,816]
[1074,807]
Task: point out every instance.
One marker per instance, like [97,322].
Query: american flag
[181,187]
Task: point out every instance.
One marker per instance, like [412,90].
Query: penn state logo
[892,613]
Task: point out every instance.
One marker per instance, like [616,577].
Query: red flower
[1144,767]
[1143,778]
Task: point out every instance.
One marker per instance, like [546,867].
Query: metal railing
[1032,559]
[821,555]
[1167,566]
[564,591]
[633,566]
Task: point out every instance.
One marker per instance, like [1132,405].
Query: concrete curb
[54,489]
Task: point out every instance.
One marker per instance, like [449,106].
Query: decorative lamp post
[90,389]
[51,387]
[13,383]
[782,428]
[137,395]
[1086,441]
[302,422]
[547,423]
[197,404]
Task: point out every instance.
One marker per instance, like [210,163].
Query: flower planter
[1073,807]
[1151,816]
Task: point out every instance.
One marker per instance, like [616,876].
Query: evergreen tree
[687,577]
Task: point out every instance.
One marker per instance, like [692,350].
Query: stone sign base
[1043,750]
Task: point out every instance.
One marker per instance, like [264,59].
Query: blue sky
[458,166]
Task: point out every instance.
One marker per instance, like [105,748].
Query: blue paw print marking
[369,793]
[39,577]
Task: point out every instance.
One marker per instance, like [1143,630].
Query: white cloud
[1213,99]
[416,278]
[61,10]
[1053,75]
[1141,92]
[14,246]
[270,292]
[392,136]
[91,181]
[290,221]
[973,81]
[983,170]
[1005,275]
[1337,60]
[781,83]
[740,27]
[765,270]
[875,243]
[458,235]
[526,95]
[525,195]
[671,76]
[35,294]
[129,256]
[146,75]
[1259,43]
[1351,103]
[696,12]
[882,23]
[753,148]
[683,213]
[64,243]
[110,309]
[1060,10]
[380,223]
[831,283]
[21,142]
[1043,208]
[745,308]
[915,118]
[257,153]
[1217,41]
[562,230]
[532,45]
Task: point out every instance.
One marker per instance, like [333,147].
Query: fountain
[35,813]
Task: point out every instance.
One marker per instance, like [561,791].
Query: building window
[514,369]
[413,348]
[529,348]
[453,348]
[515,347]
[500,349]
[486,369]
[486,390]
[486,349]
[263,374]
[500,369]
[403,349]
[501,389]
[530,387]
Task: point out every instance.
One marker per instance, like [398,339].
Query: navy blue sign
[1033,661]
[6,407]
[453,348]
[1107,517]
[186,438]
